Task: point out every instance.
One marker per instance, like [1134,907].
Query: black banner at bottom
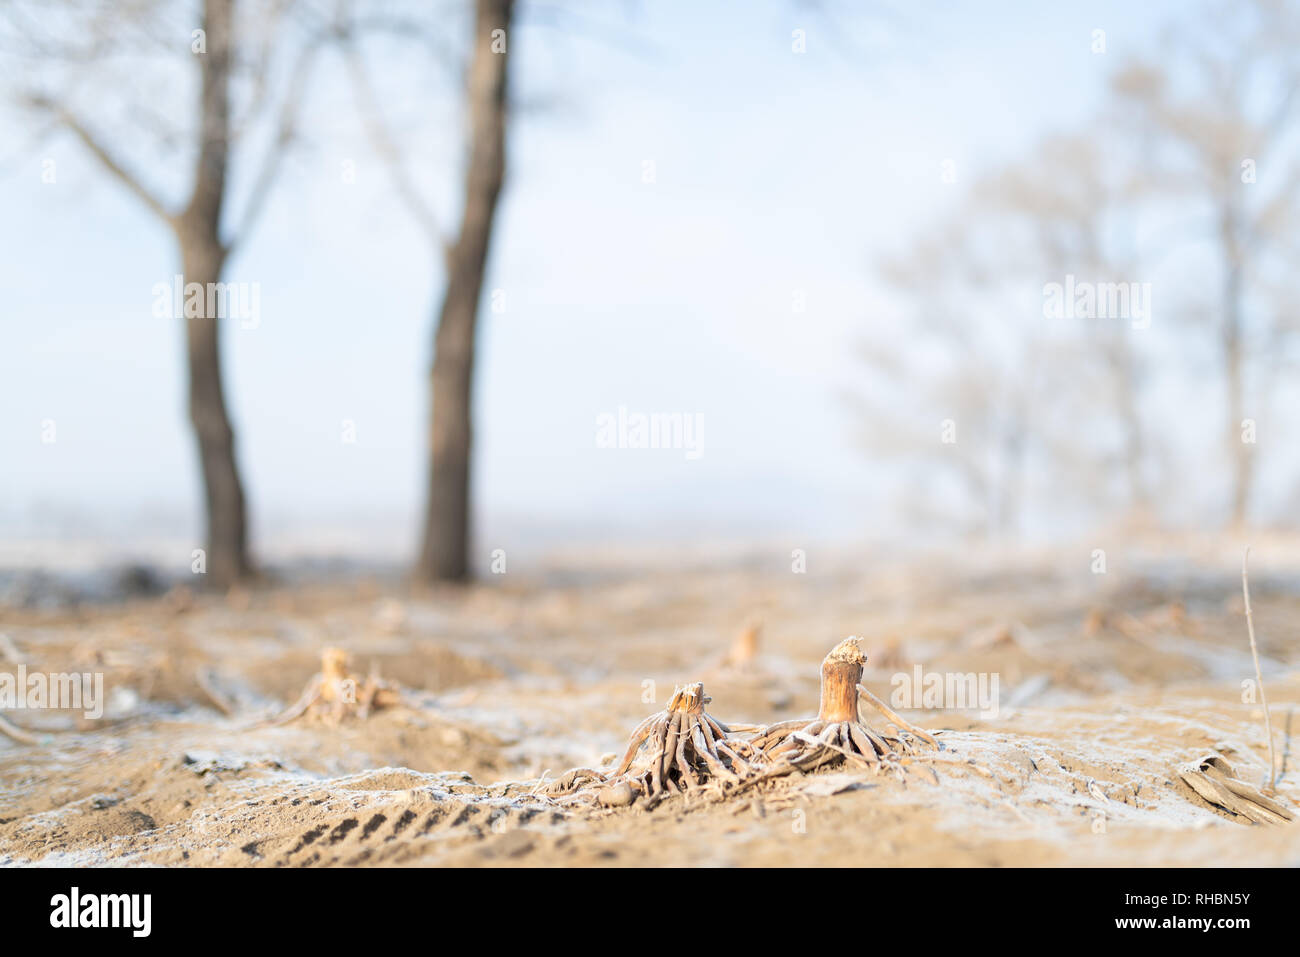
[596,906]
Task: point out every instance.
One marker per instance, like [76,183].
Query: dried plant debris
[680,749]
[15,733]
[208,682]
[335,693]
[838,734]
[1213,779]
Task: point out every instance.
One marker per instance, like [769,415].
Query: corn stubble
[684,749]
[335,693]
[838,735]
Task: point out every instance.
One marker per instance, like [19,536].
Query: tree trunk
[225,535]
[1125,377]
[203,254]
[444,552]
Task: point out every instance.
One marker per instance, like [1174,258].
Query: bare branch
[260,64]
[97,149]
[386,146]
[285,133]
[443,53]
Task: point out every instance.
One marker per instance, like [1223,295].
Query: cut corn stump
[838,734]
[335,693]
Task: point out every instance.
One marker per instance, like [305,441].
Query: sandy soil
[1107,684]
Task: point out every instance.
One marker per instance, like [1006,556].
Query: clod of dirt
[617,795]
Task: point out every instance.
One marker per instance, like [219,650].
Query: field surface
[1106,684]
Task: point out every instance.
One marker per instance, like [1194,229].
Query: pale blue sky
[775,172]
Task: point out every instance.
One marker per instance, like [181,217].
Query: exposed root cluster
[838,734]
[688,747]
[683,748]
[820,742]
[680,749]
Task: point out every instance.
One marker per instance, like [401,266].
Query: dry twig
[1259,677]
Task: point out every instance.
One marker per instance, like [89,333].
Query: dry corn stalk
[838,734]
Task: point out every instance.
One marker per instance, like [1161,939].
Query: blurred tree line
[1186,181]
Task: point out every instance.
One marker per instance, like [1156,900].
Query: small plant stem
[1259,677]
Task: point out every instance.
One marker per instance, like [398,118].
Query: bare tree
[445,536]
[1220,132]
[68,57]
[951,400]
[995,390]
[1073,206]
[444,551]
